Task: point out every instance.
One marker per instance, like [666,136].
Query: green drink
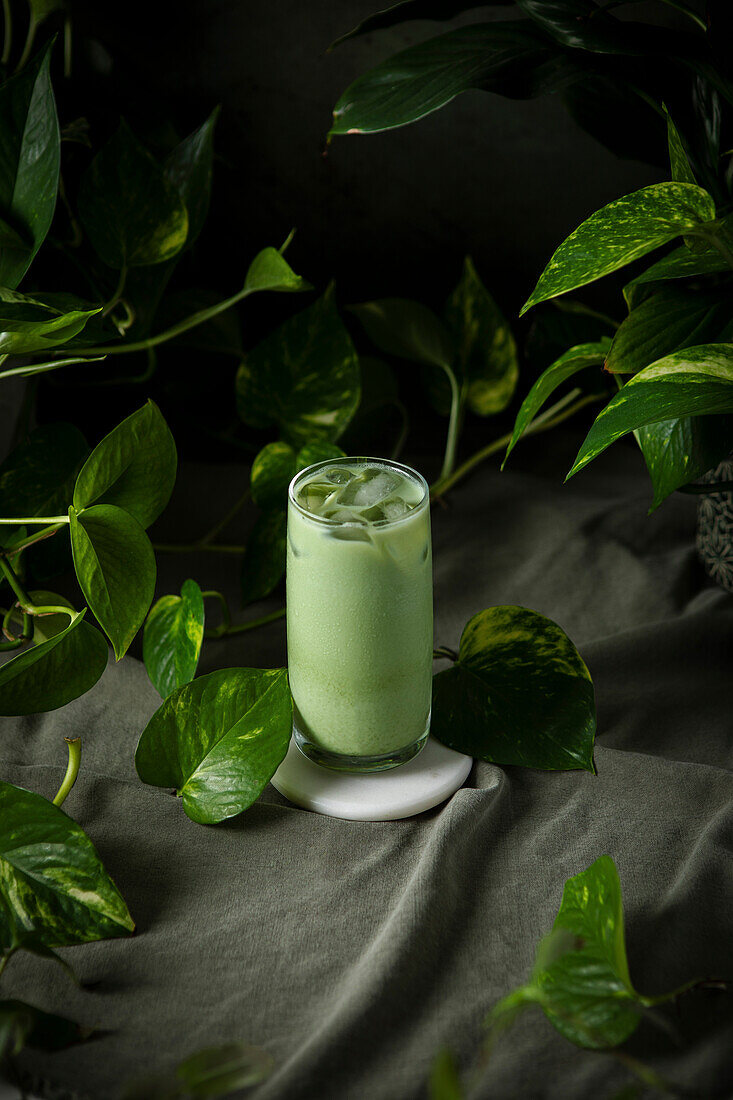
[360,612]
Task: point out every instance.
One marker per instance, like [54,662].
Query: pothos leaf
[172,639]
[49,675]
[677,452]
[519,693]
[189,169]
[263,564]
[218,740]
[53,887]
[271,271]
[37,478]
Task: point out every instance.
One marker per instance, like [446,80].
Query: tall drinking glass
[360,612]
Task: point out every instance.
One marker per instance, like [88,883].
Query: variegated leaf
[172,639]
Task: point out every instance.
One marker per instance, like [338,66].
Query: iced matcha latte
[360,612]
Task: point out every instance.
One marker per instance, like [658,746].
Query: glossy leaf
[678,162]
[115,567]
[188,168]
[27,327]
[218,740]
[511,58]
[134,467]
[581,975]
[272,471]
[27,369]
[486,360]
[23,1025]
[44,626]
[270,271]
[304,377]
[668,320]
[407,329]
[53,886]
[37,478]
[412,9]
[131,211]
[579,24]
[681,263]
[623,231]
[694,382]
[317,452]
[29,165]
[519,693]
[677,452]
[52,673]
[263,564]
[172,639]
[574,360]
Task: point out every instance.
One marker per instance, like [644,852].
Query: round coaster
[423,782]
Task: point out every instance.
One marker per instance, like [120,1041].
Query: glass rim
[415,475]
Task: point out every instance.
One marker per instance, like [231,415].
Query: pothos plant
[644,90]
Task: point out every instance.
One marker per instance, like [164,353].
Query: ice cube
[394,508]
[342,515]
[375,488]
[314,496]
[348,493]
[337,476]
[375,514]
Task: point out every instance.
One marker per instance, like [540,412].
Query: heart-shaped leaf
[407,329]
[486,360]
[37,478]
[693,382]
[132,213]
[263,564]
[49,675]
[670,319]
[115,567]
[623,231]
[172,639]
[510,58]
[272,471]
[519,693]
[270,271]
[571,362]
[53,886]
[188,168]
[581,976]
[29,165]
[677,452]
[304,377]
[218,740]
[134,467]
[23,1025]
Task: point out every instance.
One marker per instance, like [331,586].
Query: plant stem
[549,420]
[117,294]
[9,574]
[28,44]
[686,11]
[251,624]
[73,744]
[454,424]
[25,603]
[8,32]
[39,536]
[20,521]
[187,323]
[226,617]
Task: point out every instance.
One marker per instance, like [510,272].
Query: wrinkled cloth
[354,951]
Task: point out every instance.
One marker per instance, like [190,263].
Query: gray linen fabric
[353,951]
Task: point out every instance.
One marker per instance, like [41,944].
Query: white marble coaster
[423,782]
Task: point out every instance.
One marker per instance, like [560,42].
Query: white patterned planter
[715,528]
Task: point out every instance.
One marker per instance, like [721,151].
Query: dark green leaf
[45,626]
[602,102]
[486,361]
[29,165]
[270,271]
[445,1084]
[679,264]
[37,478]
[222,1070]
[49,675]
[407,329]
[132,213]
[678,162]
[134,467]
[583,25]
[304,377]
[677,452]
[581,975]
[317,452]
[28,326]
[52,883]
[23,1025]
[412,9]
[172,639]
[623,231]
[668,320]
[263,564]
[574,360]
[509,58]
[519,693]
[218,740]
[115,567]
[693,382]
[188,168]
[272,471]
